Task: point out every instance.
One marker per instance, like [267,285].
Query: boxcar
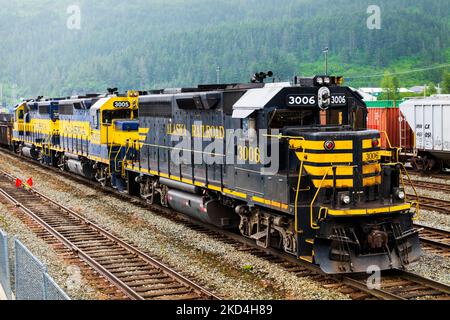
[5,129]
[385,116]
[429,118]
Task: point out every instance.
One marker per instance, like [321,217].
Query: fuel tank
[203,209]
[81,168]
[30,151]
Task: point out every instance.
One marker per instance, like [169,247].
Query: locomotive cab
[19,120]
[114,137]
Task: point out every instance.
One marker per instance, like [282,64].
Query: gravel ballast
[66,275]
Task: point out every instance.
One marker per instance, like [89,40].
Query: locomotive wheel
[104,179]
[437,166]
[61,163]
[414,165]
[163,194]
[151,197]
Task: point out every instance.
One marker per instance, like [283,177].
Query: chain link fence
[29,274]
[52,290]
[5,280]
[31,280]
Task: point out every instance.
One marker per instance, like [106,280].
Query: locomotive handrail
[297,191]
[312,223]
[125,158]
[115,158]
[110,148]
[397,150]
[281,136]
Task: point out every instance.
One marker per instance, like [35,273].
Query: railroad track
[137,275]
[436,241]
[433,204]
[431,185]
[443,175]
[395,284]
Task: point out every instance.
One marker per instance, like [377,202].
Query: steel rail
[88,259]
[433,204]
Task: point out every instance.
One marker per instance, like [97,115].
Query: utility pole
[325,50]
[218,74]
[14,92]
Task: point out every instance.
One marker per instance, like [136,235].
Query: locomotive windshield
[288,118]
[280,118]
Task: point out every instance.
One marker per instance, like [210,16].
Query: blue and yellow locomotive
[86,135]
[290,165]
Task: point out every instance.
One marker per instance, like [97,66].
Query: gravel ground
[217,265]
[442,195]
[67,276]
[434,219]
[433,266]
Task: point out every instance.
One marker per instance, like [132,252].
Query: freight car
[289,165]
[383,116]
[6,125]
[429,118]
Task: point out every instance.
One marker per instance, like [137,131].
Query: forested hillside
[146,44]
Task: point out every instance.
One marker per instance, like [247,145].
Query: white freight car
[429,118]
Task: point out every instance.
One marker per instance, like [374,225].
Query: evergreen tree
[390,85]
[430,89]
[156,44]
[446,83]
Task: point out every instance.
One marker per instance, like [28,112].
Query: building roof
[417,89]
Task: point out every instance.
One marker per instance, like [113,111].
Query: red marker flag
[30,182]
[18,183]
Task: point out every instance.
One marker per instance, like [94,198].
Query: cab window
[334,117]
[110,115]
[359,119]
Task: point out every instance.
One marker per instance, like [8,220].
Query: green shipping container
[384,103]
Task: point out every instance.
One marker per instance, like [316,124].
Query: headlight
[399,193]
[319,81]
[345,198]
[327,80]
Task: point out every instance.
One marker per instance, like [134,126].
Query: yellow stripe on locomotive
[342,161]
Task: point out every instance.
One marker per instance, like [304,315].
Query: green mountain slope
[147,44]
